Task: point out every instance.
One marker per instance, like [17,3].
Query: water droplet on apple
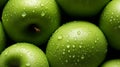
[66,61]
[68,51]
[78,56]
[112,13]
[33,11]
[24,8]
[80,46]
[78,60]
[11,15]
[5,15]
[43,14]
[117,15]
[95,41]
[82,57]
[14,12]
[24,14]
[114,19]
[78,32]
[68,46]
[28,65]
[106,51]
[62,63]
[73,56]
[6,19]
[60,37]
[6,53]
[21,55]
[42,4]
[60,59]
[111,17]
[70,56]
[118,21]
[92,47]
[68,41]
[75,63]
[111,21]
[119,26]
[63,49]
[75,39]
[73,46]
[63,52]
[35,7]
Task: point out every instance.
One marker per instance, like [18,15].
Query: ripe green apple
[2,38]
[76,44]
[110,23]
[23,55]
[83,8]
[30,21]
[112,63]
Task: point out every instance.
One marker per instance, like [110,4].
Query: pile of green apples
[59,33]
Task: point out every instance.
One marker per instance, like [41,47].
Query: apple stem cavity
[14,63]
[36,29]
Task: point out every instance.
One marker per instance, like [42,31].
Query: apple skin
[76,44]
[30,21]
[82,8]
[2,38]
[23,55]
[110,23]
[112,63]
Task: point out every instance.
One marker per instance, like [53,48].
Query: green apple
[2,38]
[112,63]
[76,44]
[23,55]
[83,8]
[30,21]
[110,23]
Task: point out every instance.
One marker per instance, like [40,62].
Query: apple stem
[36,29]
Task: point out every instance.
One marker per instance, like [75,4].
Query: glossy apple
[112,63]
[23,55]
[110,23]
[82,8]
[77,44]
[30,21]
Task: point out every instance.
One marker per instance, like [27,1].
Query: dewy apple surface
[30,21]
